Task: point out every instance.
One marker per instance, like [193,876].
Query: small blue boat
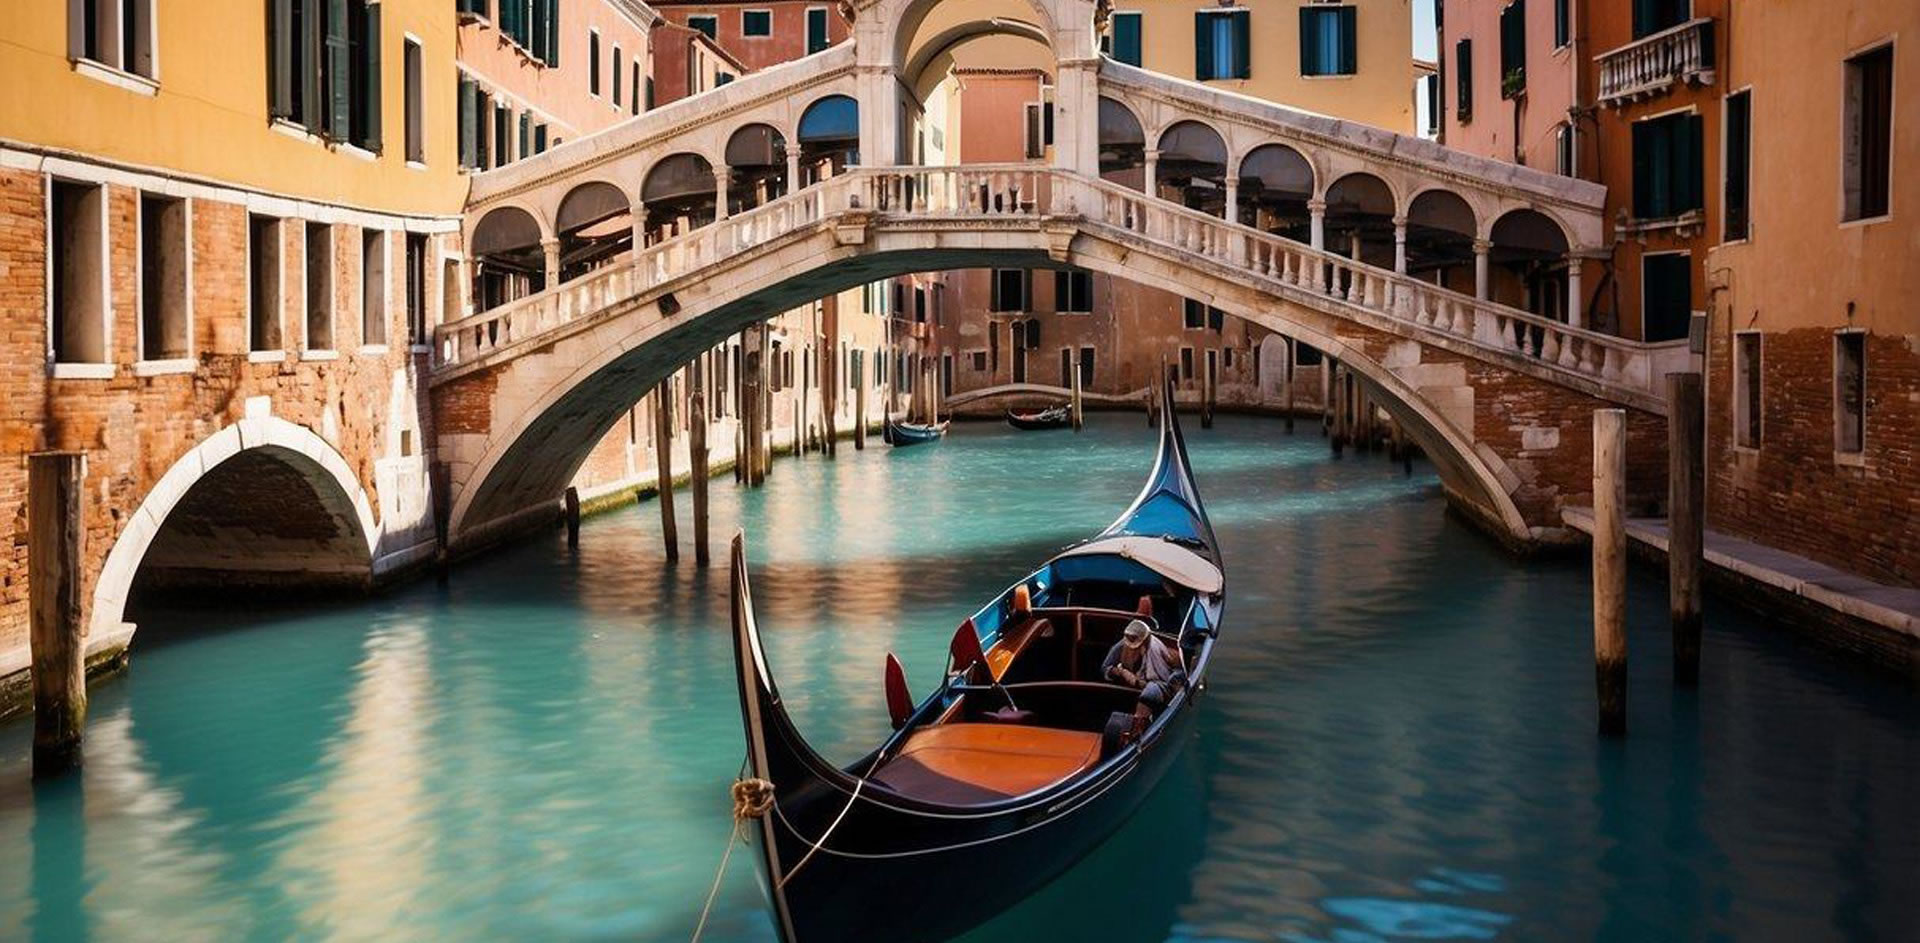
[901,434]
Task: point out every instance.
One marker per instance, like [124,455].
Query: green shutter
[1643,202]
[1349,41]
[1692,164]
[468,152]
[339,72]
[280,58]
[370,108]
[1242,44]
[308,65]
[816,31]
[1126,38]
[1308,65]
[1203,46]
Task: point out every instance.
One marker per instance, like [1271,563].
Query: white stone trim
[130,546]
[101,72]
[156,368]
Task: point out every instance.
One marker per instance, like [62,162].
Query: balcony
[1649,66]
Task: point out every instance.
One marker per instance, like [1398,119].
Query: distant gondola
[901,434]
[1020,762]
[1052,417]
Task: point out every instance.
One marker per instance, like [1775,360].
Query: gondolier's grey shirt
[1159,664]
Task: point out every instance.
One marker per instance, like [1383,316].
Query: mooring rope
[752,798]
[858,785]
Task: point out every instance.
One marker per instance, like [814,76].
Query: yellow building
[1356,61]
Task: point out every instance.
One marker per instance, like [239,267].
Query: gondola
[901,434]
[1018,764]
[1052,417]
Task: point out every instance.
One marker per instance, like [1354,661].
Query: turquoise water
[1397,745]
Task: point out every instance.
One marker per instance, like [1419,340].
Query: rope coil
[752,798]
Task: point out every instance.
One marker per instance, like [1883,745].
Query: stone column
[1233,198]
[1576,298]
[1400,245]
[1153,170]
[793,166]
[722,182]
[1317,213]
[550,250]
[1482,284]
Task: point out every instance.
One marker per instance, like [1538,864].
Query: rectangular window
[633,101]
[1652,16]
[1869,133]
[1463,80]
[1220,44]
[919,305]
[1666,295]
[1036,146]
[593,62]
[539,139]
[1746,389]
[526,135]
[1563,147]
[1434,105]
[1126,38]
[416,136]
[373,287]
[1849,391]
[619,74]
[1562,24]
[1328,41]
[416,288]
[1216,318]
[1667,166]
[1186,363]
[979,358]
[946,375]
[1738,128]
[78,258]
[816,29]
[468,99]
[324,68]
[163,277]
[1195,315]
[263,283]
[993,348]
[756,22]
[113,33]
[1086,367]
[709,25]
[502,134]
[1010,289]
[1073,291]
[1513,49]
[319,286]
[1066,367]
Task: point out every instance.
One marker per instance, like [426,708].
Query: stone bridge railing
[988,194]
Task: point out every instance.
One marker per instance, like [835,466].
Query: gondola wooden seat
[969,764]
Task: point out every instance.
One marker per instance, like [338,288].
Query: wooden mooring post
[1339,403]
[1078,409]
[572,503]
[1610,569]
[55,536]
[697,458]
[859,404]
[663,465]
[1286,385]
[1686,520]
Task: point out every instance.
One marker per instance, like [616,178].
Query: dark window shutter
[1349,42]
[552,52]
[1692,165]
[1242,44]
[467,123]
[308,64]
[1463,79]
[1643,169]
[1033,334]
[1309,63]
[280,58]
[370,107]
[339,71]
[1203,46]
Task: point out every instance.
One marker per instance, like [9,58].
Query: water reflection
[1396,744]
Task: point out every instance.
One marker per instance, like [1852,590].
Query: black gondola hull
[1036,421]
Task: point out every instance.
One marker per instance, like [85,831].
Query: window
[1434,104]
[899,308]
[526,135]
[1563,150]
[1652,16]
[619,75]
[1220,44]
[1463,80]
[114,33]
[1667,166]
[543,32]
[1126,38]
[539,139]
[1849,391]
[263,283]
[416,288]
[919,305]
[1869,134]
[1305,355]
[324,68]
[1666,295]
[163,277]
[1513,49]
[1086,367]
[1327,41]
[633,101]
[946,375]
[1010,288]
[319,286]
[979,358]
[707,24]
[1073,291]
[816,29]
[1186,363]
[1738,128]
[756,22]
[1196,315]
[468,95]
[1036,146]
[373,287]
[78,258]
[416,136]
[502,134]
[993,348]
[1216,318]
[1746,389]
[593,62]
[1066,366]
[1562,24]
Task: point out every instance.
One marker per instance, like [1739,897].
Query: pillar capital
[1317,207]
[1153,153]
[1400,224]
[1482,246]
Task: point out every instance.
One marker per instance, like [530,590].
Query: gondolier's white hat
[1135,634]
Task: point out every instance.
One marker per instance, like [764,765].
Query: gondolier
[1139,659]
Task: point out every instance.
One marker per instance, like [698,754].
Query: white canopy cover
[1164,557]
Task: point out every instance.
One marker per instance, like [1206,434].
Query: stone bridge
[1499,397]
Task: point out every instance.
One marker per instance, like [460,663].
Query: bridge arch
[828,134]
[508,252]
[1192,166]
[1122,144]
[756,158]
[294,495]
[1276,183]
[678,195]
[593,223]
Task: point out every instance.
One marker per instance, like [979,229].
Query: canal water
[1398,742]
